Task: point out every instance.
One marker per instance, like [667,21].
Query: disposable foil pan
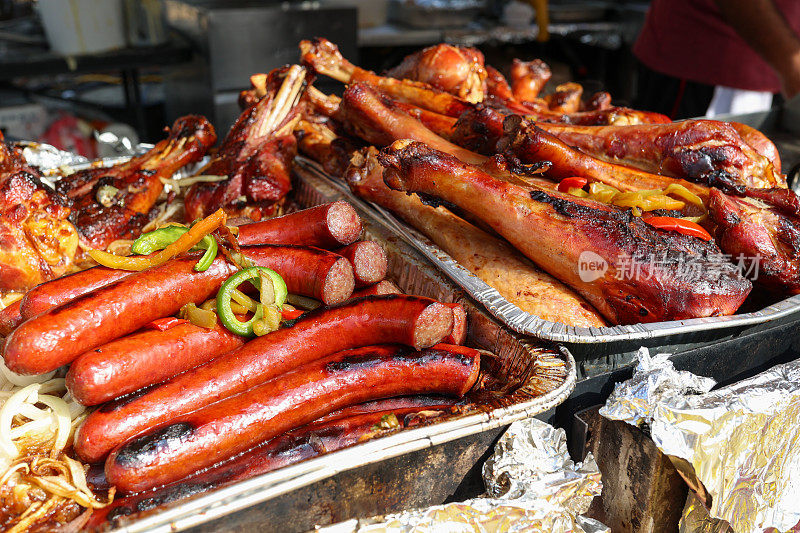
[528,324]
[237,505]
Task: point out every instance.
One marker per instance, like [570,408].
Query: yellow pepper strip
[647,200]
[184,243]
[574,191]
[686,194]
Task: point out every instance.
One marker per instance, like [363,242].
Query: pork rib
[662,275]
[489,258]
[528,78]
[256,155]
[116,202]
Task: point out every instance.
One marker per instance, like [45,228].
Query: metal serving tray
[413,467]
[528,324]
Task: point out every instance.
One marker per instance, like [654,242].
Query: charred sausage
[59,336]
[224,429]
[409,320]
[312,272]
[326,226]
[459,334]
[369,261]
[145,358]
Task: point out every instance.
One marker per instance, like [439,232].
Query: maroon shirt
[688,39]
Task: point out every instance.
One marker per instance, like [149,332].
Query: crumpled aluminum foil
[654,380]
[532,485]
[742,441]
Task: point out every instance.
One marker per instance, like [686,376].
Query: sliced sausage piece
[58,336]
[408,320]
[459,334]
[369,261]
[326,226]
[222,430]
[145,358]
[307,271]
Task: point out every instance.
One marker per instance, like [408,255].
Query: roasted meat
[628,270]
[37,242]
[528,78]
[486,256]
[457,70]
[703,151]
[255,157]
[117,202]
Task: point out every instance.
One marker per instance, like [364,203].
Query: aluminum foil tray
[237,506]
[528,324]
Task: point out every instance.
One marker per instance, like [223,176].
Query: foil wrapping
[740,443]
[531,485]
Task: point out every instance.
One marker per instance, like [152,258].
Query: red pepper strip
[687,227]
[575,182]
[169,322]
[290,314]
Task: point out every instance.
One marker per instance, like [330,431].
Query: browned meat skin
[488,257]
[138,184]
[554,229]
[456,70]
[441,125]
[528,78]
[256,154]
[597,102]
[370,117]
[566,98]
[765,241]
[479,129]
[759,142]
[500,94]
[704,151]
[37,242]
[531,144]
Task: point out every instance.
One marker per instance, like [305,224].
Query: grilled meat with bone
[645,275]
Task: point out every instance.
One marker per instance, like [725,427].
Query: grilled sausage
[409,320]
[369,261]
[326,226]
[312,272]
[53,293]
[10,318]
[378,289]
[145,358]
[340,429]
[59,336]
[222,430]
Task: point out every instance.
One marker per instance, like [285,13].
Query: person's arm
[765,30]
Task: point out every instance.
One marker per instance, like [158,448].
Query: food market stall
[343,305]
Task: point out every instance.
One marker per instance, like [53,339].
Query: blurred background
[92,75]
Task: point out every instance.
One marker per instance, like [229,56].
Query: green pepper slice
[159,239]
[253,274]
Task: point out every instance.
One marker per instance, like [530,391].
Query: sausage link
[59,336]
[222,430]
[10,318]
[145,358]
[339,430]
[409,320]
[379,289]
[369,261]
[312,272]
[326,226]
[53,293]
[459,333]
